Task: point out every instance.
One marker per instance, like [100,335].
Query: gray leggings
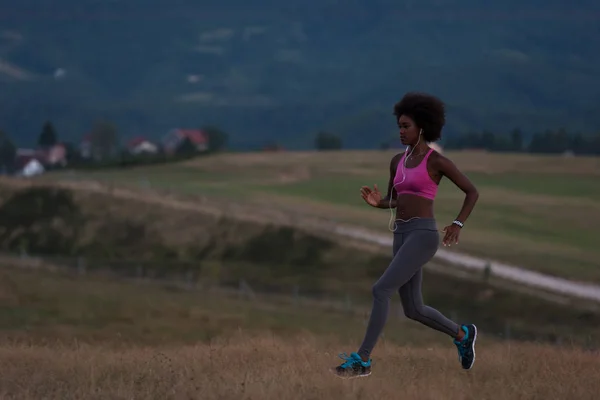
[415,243]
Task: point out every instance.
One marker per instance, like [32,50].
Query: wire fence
[205,276]
[167,195]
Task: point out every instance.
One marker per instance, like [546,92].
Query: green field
[539,212]
[41,306]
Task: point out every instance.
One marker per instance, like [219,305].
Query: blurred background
[176,172]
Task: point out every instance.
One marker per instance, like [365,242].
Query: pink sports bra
[416,180]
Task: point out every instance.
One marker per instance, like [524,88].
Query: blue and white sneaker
[466,346]
[353,367]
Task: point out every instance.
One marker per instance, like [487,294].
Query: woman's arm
[391,192]
[448,168]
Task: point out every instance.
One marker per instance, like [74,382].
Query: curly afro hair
[428,112]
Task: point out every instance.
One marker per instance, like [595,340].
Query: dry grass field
[265,367]
[64,336]
[539,212]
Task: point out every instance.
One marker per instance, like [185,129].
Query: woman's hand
[452,232]
[372,197]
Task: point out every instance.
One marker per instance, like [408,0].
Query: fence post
[487,271]
[558,340]
[245,289]
[296,294]
[189,278]
[81,267]
[348,303]
[507,330]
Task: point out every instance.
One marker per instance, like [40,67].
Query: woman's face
[409,131]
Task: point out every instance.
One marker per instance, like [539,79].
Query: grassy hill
[281,71]
[251,217]
[538,212]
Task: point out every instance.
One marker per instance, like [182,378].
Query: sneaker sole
[473,347]
[350,377]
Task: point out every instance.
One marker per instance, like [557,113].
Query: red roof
[136,141]
[196,136]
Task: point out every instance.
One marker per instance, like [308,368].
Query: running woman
[413,183]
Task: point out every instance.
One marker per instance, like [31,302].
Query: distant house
[32,168]
[46,158]
[141,145]
[176,137]
[27,153]
[27,163]
[53,155]
[56,155]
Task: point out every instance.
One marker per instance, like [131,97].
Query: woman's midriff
[411,206]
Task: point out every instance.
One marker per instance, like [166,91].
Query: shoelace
[462,347]
[350,361]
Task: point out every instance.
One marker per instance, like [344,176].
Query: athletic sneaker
[466,346]
[353,367]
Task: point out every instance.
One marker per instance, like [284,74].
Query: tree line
[105,148]
[547,142]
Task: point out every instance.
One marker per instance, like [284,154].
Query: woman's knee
[411,313]
[380,292]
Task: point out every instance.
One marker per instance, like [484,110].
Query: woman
[414,179]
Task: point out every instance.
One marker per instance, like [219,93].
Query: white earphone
[392,210]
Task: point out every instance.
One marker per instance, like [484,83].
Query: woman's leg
[464,336]
[416,249]
[413,248]
[412,302]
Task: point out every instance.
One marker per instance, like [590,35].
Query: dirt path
[266,215]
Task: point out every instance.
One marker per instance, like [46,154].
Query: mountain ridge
[283,71]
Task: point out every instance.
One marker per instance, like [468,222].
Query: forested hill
[282,70]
